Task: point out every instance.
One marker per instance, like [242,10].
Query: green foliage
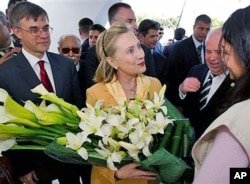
[216,23]
[167,23]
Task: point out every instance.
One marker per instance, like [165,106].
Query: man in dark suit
[84,25]
[148,31]
[201,113]
[21,73]
[118,12]
[184,55]
[179,34]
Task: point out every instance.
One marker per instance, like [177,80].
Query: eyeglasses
[66,50]
[35,31]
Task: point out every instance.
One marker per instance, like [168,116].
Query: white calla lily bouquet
[151,132]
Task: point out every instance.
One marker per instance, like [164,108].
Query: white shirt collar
[196,42]
[33,59]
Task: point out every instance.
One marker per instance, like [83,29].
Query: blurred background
[65,14]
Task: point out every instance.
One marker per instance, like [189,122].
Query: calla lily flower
[6,144]
[49,118]
[40,89]
[15,109]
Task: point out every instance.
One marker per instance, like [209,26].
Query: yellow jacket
[103,175]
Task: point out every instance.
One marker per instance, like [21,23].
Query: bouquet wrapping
[151,132]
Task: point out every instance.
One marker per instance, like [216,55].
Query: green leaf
[169,167]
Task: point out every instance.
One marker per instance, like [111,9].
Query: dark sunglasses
[75,50]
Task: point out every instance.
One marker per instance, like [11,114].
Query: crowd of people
[207,78]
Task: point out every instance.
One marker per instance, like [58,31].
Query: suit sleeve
[149,62]
[91,65]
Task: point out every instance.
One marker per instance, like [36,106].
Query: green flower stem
[60,102]
[28,147]
[185,145]
[24,122]
[16,131]
[57,129]
[37,140]
[70,115]
[176,140]
[165,142]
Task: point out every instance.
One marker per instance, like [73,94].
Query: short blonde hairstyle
[105,47]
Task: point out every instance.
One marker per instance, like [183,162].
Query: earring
[115,67]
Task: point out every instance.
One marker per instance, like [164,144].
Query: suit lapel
[224,87]
[26,71]
[56,72]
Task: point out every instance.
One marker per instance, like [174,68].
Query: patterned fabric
[205,91]
[199,52]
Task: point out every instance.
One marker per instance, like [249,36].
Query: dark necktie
[44,77]
[205,91]
[199,52]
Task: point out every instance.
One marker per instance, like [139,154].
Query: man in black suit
[191,89]
[179,34]
[84,25]
[184,55]
[21,73]
[118,12]
[148,31]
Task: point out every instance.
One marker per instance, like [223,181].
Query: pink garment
[225,153]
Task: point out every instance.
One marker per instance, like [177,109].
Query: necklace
[131,90]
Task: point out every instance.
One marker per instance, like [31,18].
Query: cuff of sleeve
[182,95]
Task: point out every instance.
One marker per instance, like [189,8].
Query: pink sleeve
[225,153]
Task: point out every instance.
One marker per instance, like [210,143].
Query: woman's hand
[130,171]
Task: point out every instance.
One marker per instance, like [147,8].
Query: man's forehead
[35,19]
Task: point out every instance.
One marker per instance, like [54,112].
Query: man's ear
[17,32]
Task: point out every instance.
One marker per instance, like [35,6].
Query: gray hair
[3,18]
[69,35]
[26,10]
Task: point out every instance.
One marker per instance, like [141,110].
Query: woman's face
[129,56]
[231,60]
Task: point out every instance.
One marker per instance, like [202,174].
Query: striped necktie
[205,91]
[199,52]
[44,77]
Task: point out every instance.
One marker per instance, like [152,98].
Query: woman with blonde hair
[119,77]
